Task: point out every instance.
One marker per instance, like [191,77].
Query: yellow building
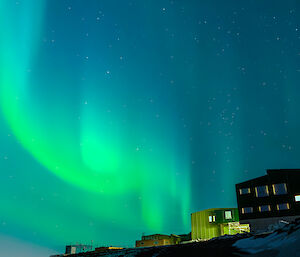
[212,223]
[157,240]
[108,248]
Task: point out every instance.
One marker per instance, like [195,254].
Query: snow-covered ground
[284,242]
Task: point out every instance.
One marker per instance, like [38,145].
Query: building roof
[156,235]
[271,172]
[217,209]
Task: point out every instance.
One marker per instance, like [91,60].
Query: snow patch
[285,241]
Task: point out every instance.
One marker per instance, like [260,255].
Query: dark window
[283,206]
[156,242]
[246,210]
[262,191]
[279,189]
[264,208]
[244,191]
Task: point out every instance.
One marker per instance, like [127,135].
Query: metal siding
[202,229]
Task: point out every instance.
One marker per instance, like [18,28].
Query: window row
[227,216]
[263,191]
[266,208]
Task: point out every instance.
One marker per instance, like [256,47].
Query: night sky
[119,118]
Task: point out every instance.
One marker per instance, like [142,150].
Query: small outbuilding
[158,240]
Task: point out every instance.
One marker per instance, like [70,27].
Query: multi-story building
[212,223]
[267,201]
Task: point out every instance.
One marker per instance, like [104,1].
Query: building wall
[107,248]
[157,240]
[154,242]
[78,248]
[265,224]
[155,236]
[253,203]
[203,229]
[70,249]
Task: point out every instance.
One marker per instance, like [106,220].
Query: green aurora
[110,153]
[119,118]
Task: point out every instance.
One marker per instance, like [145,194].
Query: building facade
[78,248]
[212,223]
[108,249]
[157,240]
[268,201]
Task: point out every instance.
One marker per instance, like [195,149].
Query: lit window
[211,219]
[264,208]
[297,198]
[283,206]
[228,215]
[246,210]
[279,189]
[262,191]
[244,191]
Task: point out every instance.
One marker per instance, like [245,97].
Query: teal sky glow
[119,118]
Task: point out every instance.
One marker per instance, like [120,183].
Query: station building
[268,201]
[216,222]
[157,240]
